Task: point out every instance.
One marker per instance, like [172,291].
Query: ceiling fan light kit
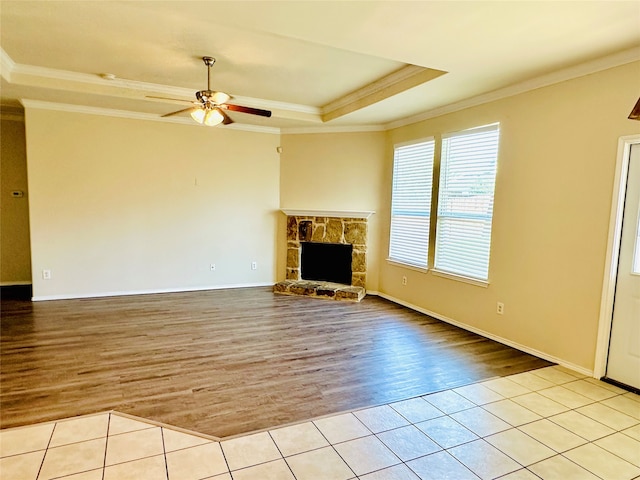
[210,117]
[210,105]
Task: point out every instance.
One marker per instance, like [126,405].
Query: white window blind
[465,201]
[411,203]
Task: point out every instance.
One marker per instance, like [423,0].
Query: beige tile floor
[549,423]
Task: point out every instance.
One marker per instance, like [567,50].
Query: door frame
[613,253]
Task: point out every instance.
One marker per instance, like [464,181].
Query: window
[463,200]
[411,203]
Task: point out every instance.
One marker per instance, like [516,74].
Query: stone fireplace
[348,228]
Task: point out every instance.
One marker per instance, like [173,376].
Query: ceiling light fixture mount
[209,109]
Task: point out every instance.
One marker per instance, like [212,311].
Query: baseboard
[504,341]
[41,298]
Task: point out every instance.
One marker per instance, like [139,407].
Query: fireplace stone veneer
[326,229]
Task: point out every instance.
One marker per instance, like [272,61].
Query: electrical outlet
[500,308]
[254,265]
[404,280]
[212,267]
[46,274]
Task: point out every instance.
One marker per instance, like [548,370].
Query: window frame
[429,247]
[466,216]
[438,140]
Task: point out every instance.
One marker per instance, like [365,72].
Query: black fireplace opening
[328,262]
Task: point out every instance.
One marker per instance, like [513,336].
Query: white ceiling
[301,59]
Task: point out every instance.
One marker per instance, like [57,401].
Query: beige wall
[334,171]
[121,205]
[115,207]
[15,257]
[552,205]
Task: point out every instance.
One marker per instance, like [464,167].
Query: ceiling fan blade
[226,119]
[167,98]
[190,109]
[252,111]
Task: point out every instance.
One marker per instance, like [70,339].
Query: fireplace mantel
[327,213]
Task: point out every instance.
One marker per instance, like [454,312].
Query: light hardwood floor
[227,362]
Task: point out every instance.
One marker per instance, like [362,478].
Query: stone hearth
[311,288]
[326,227]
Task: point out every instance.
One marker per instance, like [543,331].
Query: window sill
[390,261]
[461,278]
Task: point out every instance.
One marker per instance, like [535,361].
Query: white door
[623,364]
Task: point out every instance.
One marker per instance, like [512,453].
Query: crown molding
[7,65]
[393,78]
[107,112]
[12,69]
[147,87]
[569,73]
[396,82]
[9,70]
[91,79]
[336,129]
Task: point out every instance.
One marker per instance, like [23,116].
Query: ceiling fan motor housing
[211,97]
[204,96]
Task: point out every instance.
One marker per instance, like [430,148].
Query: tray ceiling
[314,63]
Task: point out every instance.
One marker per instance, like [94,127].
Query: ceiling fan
[210,106]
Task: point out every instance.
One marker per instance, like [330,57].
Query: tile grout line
[226,462]
[597,446]
[333,446]
[587,441]
[164,453]
[405,463]
[106,445]
[281,455]
[46,450]
[570,409]
[442,448]
[556,453]
[568,459]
